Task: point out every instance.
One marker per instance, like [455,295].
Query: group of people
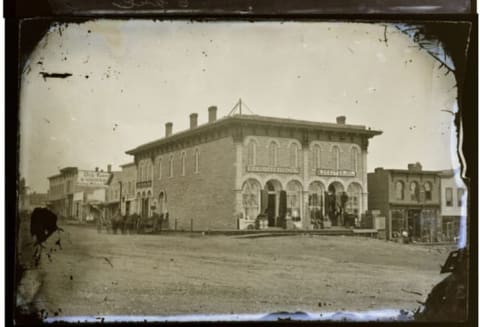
[133,223]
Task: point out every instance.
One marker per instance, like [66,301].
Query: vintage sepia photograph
[180,170]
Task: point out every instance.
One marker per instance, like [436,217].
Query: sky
[129,77]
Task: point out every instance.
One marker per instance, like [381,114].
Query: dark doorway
[271,210]
[127,208]
[145,207]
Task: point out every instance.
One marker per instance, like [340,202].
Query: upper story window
[252,153]
[159,168]
[170,166]
[414,191]
[197,160]
[460,193]
[355,163]
[148,170]
[428,191]
[317,153]
[183,163]
[449,197]
[140,172]
[336,157]
[399,186]
[272,154]
[294,155]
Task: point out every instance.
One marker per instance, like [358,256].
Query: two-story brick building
[241,166]
[409,199]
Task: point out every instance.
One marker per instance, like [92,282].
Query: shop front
[421,224]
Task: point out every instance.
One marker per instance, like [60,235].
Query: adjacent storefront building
[409,199]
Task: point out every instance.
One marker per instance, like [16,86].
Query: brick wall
[378,187]
[207,197]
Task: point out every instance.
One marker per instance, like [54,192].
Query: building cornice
[238,122]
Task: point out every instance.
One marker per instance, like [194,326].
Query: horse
[131,223]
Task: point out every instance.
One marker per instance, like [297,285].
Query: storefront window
[354,193]
[398,223]
[250,198]
[294,193]
[316,202]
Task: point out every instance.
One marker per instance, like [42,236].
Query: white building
[453,203]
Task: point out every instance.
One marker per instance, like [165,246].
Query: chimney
[109,168]
[415,166]
[341,120]
[193,120]
[168,129]
[212,114]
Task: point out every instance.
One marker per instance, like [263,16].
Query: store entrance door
[271,208]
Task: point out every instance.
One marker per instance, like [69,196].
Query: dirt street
[105,274]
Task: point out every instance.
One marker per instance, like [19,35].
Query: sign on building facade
[335,172]
[92,178]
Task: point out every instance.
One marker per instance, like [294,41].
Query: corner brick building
[223,174]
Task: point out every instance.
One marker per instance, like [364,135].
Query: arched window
[148,168]
[140,171]
[336,157]
[317,156]
[428,191]
[272,154]
[294,155]
[355,163]
[252,153]
[183,163]
[399,190]
[170,166]
[414,191]
[197,160]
